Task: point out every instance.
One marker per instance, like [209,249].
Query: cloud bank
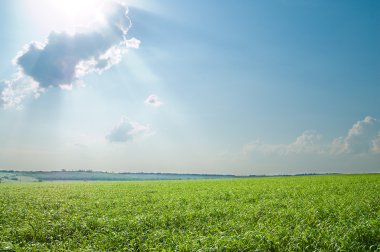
[356,151]
[362,138]
[127,130]
[65,57]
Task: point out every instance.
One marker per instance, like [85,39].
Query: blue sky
[238,87]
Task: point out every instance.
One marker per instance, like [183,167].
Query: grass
[325,213]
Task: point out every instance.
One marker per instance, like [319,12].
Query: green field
[306,213]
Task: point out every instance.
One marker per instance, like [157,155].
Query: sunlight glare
[78,12]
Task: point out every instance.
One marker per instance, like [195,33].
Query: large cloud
[127,130]
[64,57]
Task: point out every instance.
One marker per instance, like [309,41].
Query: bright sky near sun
[231,87]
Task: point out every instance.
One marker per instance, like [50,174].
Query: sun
[71,15]
[75,12]
[75,9]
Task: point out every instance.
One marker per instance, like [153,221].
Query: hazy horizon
[216,87]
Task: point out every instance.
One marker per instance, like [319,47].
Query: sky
[218,87]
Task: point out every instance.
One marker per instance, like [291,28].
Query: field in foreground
[335,212]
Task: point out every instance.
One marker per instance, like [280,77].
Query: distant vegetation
[101,176]
[8,177]
[88,175]
[300,213]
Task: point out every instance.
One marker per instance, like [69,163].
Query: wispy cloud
[65,57]
[127,130]
[153,101]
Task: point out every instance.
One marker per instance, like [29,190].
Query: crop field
[305,213]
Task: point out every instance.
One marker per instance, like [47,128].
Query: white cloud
[127,130]
[153,101]
[64,57]
[358,151]
[133,43]
[362,138]
[308,142]
[16,90]
[376,145]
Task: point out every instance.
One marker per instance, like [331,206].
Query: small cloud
[153,101]
[80,146]
[376,145]
[127,130]
[133,43]
[65,57]
[67,87]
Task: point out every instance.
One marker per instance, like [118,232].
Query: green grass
[326,213]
